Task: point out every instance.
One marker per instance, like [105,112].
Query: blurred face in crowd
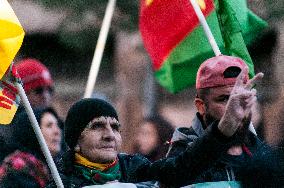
[101,140]
[147,138]
[40,97]
[51,132]
[211,104]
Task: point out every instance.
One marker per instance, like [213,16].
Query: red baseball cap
[219,71]
[33,74]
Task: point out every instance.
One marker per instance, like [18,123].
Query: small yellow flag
[11,36]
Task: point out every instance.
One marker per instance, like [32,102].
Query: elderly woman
[92,132]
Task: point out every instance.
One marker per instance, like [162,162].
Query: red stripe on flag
[11,87]
[9,90]
[165,23]
[4,101]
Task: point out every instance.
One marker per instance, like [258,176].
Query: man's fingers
[244,94]
[251,101]
[244,99]
[241,77]
[249,106]
[257,78]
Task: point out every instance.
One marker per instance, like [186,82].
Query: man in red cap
[225,97]
[37,81]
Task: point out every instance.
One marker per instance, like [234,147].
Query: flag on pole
[231,30]
[176,41]
[11,36]
[9,96]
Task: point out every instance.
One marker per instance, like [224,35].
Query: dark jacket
[171,171]
[72,179]
[226,167]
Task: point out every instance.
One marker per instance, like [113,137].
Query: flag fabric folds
[9,96]
[234,43]
[11,36]
[176,42]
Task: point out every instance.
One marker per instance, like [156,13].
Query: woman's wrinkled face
[147,138]
[51,132]
[101,140]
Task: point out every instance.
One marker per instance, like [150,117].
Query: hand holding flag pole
[99,49]
[206,28]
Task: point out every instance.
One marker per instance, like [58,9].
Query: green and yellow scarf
[96,172]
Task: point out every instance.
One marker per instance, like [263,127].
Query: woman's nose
[56,129]
[108,133]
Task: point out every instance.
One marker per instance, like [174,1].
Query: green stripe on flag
[179,69]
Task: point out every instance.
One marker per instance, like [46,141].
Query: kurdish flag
[11,36]
[177,43]
[9,96]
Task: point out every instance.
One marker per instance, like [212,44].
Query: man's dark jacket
[226,167]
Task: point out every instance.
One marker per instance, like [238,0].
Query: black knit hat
[81,113]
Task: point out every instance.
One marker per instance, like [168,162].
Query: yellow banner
[8,108]
[9,99]
[11,36]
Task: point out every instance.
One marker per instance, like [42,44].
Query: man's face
[101,140]
[40,97]
[215,103]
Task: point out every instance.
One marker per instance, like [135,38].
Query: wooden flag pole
[39,136]
[99,49]
[206,28]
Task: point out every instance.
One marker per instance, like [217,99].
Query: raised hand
[238,109]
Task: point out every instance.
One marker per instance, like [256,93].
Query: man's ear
[200,105]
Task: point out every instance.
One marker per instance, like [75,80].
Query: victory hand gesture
[238,108]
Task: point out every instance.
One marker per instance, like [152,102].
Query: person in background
[51,131]
[37,82]
[25,138]
[22,169]
[38,85]
[25,164]
[152,137]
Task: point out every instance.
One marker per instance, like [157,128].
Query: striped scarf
[96,172]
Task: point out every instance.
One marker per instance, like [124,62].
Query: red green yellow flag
[11,36]
[9,96]
[176,42]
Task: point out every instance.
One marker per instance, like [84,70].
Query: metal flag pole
[99,49]
[206,28]
[39,136]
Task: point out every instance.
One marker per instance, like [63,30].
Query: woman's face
[147,138]
[101,140]
[51,132]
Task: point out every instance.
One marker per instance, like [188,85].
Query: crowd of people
[219,149]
